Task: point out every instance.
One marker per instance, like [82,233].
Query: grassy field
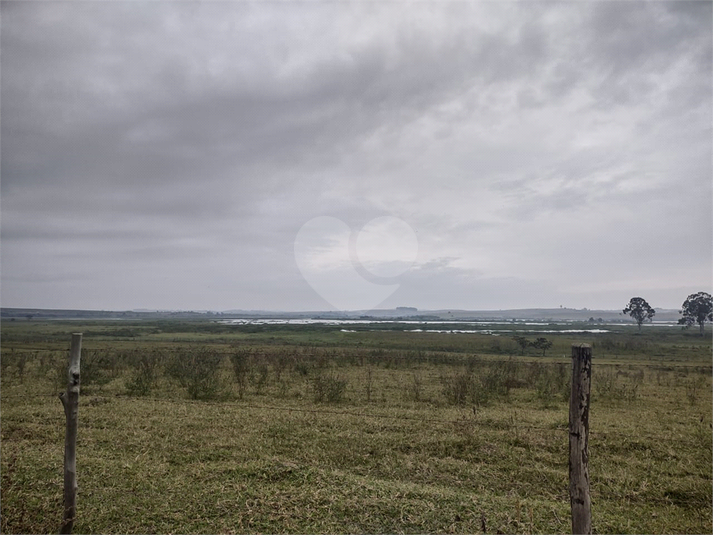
[198,427]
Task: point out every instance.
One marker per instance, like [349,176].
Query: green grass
[392,455]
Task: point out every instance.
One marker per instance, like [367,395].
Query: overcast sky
[175,155]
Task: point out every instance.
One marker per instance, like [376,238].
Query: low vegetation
[207,428]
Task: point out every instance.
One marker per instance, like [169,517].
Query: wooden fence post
[579,497]
[70,400]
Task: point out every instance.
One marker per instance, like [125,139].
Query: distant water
[345,322]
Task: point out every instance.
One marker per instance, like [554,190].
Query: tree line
[697,308]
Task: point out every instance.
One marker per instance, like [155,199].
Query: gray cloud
[187,138]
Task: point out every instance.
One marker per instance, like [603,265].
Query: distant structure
[407,309]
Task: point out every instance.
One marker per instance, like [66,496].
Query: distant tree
[640,310]
[522,342]
[542,343]
[697,308]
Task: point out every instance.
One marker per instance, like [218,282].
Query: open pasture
[200,427]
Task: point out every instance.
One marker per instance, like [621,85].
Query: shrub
[18,360]
[607,386]
[97,368]
[240,359]
[369,383]
[21,362]
[145,374]
[280,363]
[413,391]
[501,377]
[694,387]
[258,376]
[479,383]
[553,383]
[458,387]
[302,367]
[197,370]
[328,387]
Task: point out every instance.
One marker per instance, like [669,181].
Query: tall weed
[196,369]
[328,387]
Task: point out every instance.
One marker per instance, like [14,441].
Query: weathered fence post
[579,497]
[70,400]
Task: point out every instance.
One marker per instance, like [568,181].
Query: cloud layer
[165,155]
